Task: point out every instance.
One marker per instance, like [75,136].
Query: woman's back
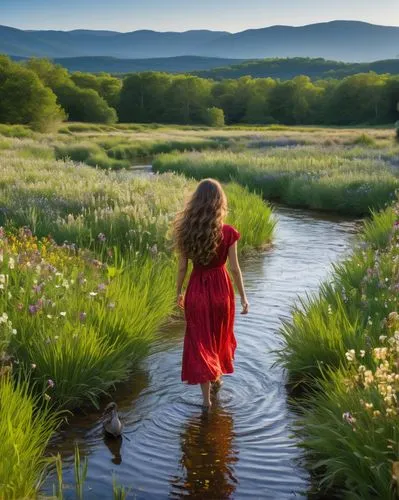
[230,235]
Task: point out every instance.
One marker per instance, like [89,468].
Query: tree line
[38,92]
[288,68]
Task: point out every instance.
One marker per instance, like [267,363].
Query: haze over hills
[178,64]
[350,41]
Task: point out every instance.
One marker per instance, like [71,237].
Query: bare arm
[181,274]
[237,276]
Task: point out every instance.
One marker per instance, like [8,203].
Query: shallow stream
[244,447]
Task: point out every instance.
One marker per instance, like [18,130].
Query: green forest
[40,93]
[287,68]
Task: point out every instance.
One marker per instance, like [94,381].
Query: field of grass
[86,278]
[342,345]
[348,181]
[114,147]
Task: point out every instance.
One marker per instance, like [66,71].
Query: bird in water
[111,422]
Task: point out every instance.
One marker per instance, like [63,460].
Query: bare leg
[206,394]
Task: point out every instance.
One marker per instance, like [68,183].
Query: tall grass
[343,345]
[116,153]
[347,312]
[303,177]
[104,211]
[24,434]
[79,323]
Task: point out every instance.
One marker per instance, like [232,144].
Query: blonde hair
[198,228]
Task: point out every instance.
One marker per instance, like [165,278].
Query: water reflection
[208,455]
[114,445]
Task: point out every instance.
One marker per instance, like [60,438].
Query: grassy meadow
[349,180]
[86,278]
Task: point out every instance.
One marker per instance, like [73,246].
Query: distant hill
[179,64]
[288,68]
[349,41]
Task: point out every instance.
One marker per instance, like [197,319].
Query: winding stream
[243,449]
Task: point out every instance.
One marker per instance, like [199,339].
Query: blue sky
[181,15]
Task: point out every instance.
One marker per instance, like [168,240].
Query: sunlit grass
[24,433]
[342,346]
[302,177]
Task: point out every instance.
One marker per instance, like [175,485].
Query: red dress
[209,307]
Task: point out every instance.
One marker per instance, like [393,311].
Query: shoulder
[230,234]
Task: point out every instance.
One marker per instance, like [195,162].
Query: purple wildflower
[33,309]
[101,237]
[82,317]
[101,287]
[50,383]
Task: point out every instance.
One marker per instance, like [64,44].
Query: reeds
[308,177]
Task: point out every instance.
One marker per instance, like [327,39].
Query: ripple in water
[243,448]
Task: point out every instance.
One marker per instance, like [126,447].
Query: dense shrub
[24,99]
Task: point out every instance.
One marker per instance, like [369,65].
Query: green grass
[331,342]
[349,461]
[20,131]
[306,177]
[24,434]
[77,203]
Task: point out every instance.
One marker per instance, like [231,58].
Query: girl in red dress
[202,237]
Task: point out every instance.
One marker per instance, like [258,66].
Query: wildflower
[3,279]
[390,412]
[11,263]
[101,287]
[14,331]
[63,313]
[47,397]
[380,353]
[33,366]
[101,237]
[362,368]
[49,316]
[82,317]
[349,418]
[368,377]
[376,413]
[368,406]
[93,294]
[350,355]
[393,316]
[111,305]
[362,353]
[33,309]
[50,383]
[382,338]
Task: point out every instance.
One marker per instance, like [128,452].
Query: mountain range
[350,41]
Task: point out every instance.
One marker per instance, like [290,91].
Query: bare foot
[207,405]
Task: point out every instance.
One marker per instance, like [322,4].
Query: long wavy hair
[198,228]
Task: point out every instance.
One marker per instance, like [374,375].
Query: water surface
[243,448]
